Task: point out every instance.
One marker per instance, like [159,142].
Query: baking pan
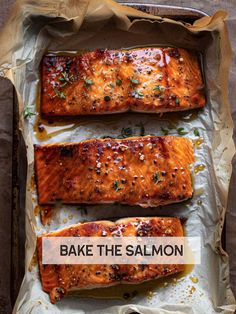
[186,15]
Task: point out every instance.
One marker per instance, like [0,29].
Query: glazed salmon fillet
[145,171]
[58,280]
[111,81]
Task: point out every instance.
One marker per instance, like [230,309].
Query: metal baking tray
[187,15]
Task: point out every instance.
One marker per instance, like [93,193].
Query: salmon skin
[112,81]
[145,171]
[58,280]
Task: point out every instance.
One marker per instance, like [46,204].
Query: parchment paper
[75,25]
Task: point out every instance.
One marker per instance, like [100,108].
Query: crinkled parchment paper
[35,28]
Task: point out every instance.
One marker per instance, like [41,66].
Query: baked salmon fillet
[112,81]
[58,280]
[145,171]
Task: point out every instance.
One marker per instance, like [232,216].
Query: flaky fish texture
[150,79]
[58,280]
[145,171]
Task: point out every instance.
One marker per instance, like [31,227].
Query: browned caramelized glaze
[58,280]
[111,81]
[46,213]
[148,171]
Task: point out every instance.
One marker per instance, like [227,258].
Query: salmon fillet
[111,81]
[145,171]
[58,280]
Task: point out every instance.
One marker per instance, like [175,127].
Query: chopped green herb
[177,101]
[126,132]
[181,131]
[88,82]
[118,82]
[156,177]
[135,82]
[83,210]
[196,132]
[137,94]
[116,185]
[158,87]
[142,129]
[165,131]
[65,79]
[27,113]
[59,93]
